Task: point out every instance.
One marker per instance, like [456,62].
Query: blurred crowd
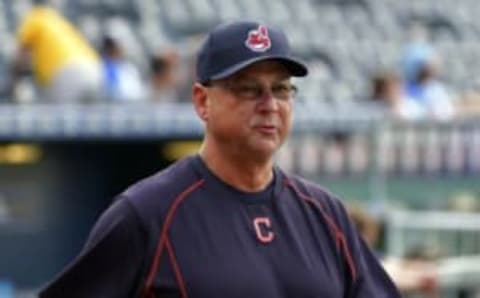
[416,90]
[65,67]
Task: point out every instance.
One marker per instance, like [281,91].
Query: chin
[265,149]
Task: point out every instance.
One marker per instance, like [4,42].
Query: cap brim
[294,66]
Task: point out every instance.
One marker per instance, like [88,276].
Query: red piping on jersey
[339,235]
[164,238]
[176,269]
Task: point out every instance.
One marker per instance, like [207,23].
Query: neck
[245,174]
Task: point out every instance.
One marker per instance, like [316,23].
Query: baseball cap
[231,47]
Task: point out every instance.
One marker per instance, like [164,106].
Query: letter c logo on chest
[263,230]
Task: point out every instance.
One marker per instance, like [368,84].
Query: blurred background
[94,95]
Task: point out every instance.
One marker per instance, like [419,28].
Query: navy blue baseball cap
[231,47]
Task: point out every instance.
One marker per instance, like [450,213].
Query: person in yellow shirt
[65,66]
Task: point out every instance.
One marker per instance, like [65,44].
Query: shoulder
[154,195]
[316,194]
[306,187]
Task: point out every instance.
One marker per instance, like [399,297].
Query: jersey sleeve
[370,280]
[110,263]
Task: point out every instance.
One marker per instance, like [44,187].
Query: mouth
[267,129]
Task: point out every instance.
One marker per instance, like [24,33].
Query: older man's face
[251,111]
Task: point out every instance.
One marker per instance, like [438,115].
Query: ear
[200,101]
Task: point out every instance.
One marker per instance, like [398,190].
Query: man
[421,71]
[227,222]
[122,79]
[164,76]
[65,66]
[388,94]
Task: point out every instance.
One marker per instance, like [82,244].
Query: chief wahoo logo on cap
[258,39]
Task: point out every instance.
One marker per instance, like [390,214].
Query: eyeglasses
[255,91]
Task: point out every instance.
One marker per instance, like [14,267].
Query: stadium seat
[358,36]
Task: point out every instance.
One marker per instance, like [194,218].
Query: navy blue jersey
[185,233]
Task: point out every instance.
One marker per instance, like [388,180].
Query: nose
[268,102]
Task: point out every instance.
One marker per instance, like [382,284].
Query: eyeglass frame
[257,92]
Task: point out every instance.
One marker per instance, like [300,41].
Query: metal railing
[450,239]
[388,148]
[447,234]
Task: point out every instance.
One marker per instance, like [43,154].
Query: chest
[250,250]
